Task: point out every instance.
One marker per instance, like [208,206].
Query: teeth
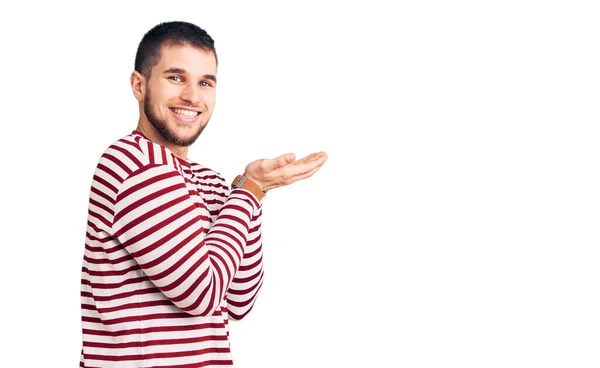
[186,113]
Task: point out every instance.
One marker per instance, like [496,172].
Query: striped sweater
[171,254]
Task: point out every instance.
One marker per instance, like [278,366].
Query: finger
[303,176]
[306,159]
[314,159]
[273,164]
[311,158]
[302,168]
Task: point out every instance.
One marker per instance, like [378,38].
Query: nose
[191,94]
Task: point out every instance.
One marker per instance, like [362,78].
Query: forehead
[192,59]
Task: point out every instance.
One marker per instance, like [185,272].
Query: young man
[172,253]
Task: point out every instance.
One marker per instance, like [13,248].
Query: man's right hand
[283,170]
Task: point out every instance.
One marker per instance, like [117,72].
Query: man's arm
[154,218]
[266,174]
[158,223]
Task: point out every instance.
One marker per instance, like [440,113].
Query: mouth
[185,115]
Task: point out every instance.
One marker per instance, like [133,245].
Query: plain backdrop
[455,223]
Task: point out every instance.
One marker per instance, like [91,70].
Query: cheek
[210,99]
[164,93]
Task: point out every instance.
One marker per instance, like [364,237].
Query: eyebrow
[182,71]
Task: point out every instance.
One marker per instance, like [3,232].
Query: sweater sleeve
[159,224]
[247,282]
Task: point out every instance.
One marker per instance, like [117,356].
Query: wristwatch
[241,181]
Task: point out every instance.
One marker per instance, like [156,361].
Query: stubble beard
[161,126]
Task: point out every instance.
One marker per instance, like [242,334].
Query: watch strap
[241,181]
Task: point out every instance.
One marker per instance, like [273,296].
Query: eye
[175,78]
[205,84]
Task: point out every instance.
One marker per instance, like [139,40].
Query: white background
[455,223]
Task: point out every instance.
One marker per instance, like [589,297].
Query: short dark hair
[170,34]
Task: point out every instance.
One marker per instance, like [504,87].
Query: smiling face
[180,95]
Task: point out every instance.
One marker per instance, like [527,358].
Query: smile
[185,115]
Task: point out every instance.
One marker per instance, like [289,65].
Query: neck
[149,131]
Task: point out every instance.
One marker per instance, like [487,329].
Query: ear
[138,85]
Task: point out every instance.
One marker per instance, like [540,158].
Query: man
[171,252]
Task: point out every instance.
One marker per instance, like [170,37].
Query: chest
[209,196]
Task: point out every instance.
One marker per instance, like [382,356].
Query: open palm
[283,170]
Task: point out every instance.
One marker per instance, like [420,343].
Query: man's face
[181,93]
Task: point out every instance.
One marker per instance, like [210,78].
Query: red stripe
[151,153]
[147,182]
[213,297]
[163,152]
[86,294]
[251,266]
[207,176]
[128,154]
[110,171]
[213,185]
[226,234]
[140,202]
[116,261]
[230,206]
[214,254]
[148,330]
[241,280]
[194,286]
[177,354]
[95,228]
[116,285]
[99,217]
[118,162]
[105,183]
[101,206]
[198,364]
[152,230]
[224,283]
[213,202]
[172,250]
[212,192]
[134,145]
[244,193]
[106,298]
[136,305]
[238,251]
[254,252]
[199,169]
[94,238]
[180,262]
[185,276]
[109,273]
[232,228]
[156,227]
[93,249]
[248,290]
[143,317]
[133,344]
[103,195]
[234,219]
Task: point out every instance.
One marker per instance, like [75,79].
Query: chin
[184,137]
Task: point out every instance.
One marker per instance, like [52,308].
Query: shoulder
[133,152]
[122,157]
